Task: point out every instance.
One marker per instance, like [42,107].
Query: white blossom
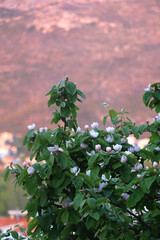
[93,133]
[61,150]
[83,145]
[95,125]
[117,147]
[31,170]
[136,148]
[110,129]
[127,152]
[101,165]
[43,129]
[53,149]
[138,167]
[32,126]
[109,139]
[75,170]
[148,88]
[157,149]
[103,177]
[123,159]
[88,173]
[125,196]
[131,149]
[102,185]
[123,140]
[91,153]
[78,130]
[68,143]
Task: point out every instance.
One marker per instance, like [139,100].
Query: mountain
[110,48]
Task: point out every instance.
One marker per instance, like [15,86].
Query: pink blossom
[24,164]
[31,170]
[146,167]
[139,176]
[123,159]
[125,196]
[95,125]
[138,167]
[117,147]
[86,127]
[83,145]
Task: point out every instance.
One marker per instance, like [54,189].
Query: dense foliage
[91,183]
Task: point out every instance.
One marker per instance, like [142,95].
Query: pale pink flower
[24,164]
[108,149]
[86,127]
[125,196]
[139,176]
[98,147]
[123,140]
[93,133]
[117,147]
[123,159]
[110,129]
[146,167]
[83,145]
[138,167]
[95,125]
[31,170]
[155,164]
[32,126]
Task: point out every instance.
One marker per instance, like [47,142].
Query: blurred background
[109,48]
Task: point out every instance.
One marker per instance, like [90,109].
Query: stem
[139,219]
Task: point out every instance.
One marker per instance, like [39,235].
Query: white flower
[158,117]
[139,176]
[103,177]
[93,133]
[127,152]
[157,149]
[78,130]
[68,143]
[61,150]
[155,164]
[43,129]
[91,153]
[138,167]
[125,196]
[110,129]
[123,140]
[131,149]
[32,126]
[29,197]
[109,139]
[98,147]
[83,145]
[86,127]
[136,148]
[95,125]
[88,173]
[101,165]
[102,185]
[123,159]
[108,149]
[148,88]
[53,149]
[75,170]
[31,170]
[117,147]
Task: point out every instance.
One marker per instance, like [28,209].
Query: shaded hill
[110,48]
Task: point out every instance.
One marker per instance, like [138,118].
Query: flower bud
[86,127]
[155,171]
[146,167]
[61,150]
[155,164]
[108,149]
[98,147]
[123,159]
[24,164]
[136,148]
[139,176]
[31,170]
[123,140]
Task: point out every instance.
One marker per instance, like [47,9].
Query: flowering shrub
[91,183]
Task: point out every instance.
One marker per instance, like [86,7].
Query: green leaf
[125,131]
[112,113]
[63,160]
[95,172]
[147,97]
[135,131]
[94,215]
[81,94]
[31,185]
[31,225]
[146,183]
[65,216]
[43,198]
[65,111]
[22,229]
[22,176]
[142,128]
[77,200]
[92,159]
[105,119]
[71,88]
[14,235]
[5,174]
[31,207]
[157,94]
[157,108]
[50,160]
[135,197]
[87,179]
[91,203]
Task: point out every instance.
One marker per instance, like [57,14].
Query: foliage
[91,184]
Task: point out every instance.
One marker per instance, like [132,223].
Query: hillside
[110,48]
